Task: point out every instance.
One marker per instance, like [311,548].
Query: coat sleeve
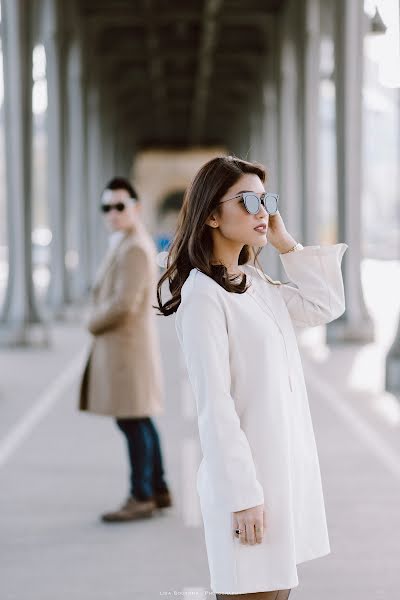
[130,285]
[319,297]
[202,332]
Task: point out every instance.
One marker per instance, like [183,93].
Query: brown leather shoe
[132,509]
[163,499]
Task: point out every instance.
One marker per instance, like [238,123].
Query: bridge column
[108,118]
[355,325]
[76,184]
[268,147]
[392,376]
[96,181]
[309,68]
[20,312]
[56,46]
[289,141]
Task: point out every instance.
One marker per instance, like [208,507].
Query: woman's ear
[212,222]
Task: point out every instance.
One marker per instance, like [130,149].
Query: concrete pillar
[107,114]
[309,68]
[128,152]
[56,46]
[131,152]
[355,324]
[392,375]
[97,234]
[268,140]
[119,149]
[241,140]
[20,312]
[76,181]
[289,141]
[256,126]
[106,153]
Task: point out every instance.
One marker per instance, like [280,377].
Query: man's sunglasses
[105,207]
[253,201]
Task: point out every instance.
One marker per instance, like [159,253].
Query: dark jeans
[147,473]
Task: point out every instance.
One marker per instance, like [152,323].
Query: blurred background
[152,89]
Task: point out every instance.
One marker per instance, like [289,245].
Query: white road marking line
[371,438]
[11,442]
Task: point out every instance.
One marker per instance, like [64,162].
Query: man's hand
[252,523]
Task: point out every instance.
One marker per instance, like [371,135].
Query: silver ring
[239,531]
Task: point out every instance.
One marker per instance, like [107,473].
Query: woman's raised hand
[278,235]
[252,524]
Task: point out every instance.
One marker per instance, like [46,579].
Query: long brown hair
[192,244]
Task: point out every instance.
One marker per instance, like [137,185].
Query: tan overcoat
[123,375]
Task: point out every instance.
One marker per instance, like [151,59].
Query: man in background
[123,375]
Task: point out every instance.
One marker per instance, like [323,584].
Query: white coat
[255,427]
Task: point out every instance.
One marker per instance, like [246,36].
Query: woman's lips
[261,228]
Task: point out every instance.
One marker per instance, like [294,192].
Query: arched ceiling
[181,71]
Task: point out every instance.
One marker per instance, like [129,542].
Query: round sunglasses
[253,201]
[105,207]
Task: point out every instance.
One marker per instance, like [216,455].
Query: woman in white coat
[259,480]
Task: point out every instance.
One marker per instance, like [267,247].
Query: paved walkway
[60,469]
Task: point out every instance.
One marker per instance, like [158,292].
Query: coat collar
[136,233]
